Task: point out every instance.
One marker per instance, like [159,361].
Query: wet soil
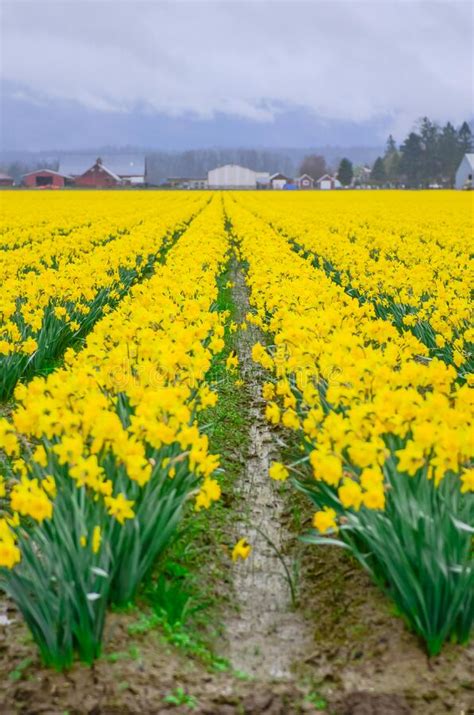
[135,675]
[364,658]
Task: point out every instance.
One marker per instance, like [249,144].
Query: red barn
[6,180]
[45,179]
[131,168]
[98,177]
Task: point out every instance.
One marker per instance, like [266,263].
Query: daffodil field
[110,326]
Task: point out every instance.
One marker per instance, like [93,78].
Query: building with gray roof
[465,173]
[129,167]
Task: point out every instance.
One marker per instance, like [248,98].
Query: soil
[364,659]
[135,675]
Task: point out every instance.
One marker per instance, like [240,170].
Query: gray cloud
[341,59]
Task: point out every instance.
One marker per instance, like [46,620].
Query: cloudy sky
[78,73]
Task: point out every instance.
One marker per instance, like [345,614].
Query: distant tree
[465,139]
[378,173]
[391,161]
[345,172]
[392,167]
[431,162]
[391,146]
[449,153]
[314,165]
[411,162]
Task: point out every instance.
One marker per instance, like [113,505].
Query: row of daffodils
[54,289]
[101,456]
[408,254]
[384,428]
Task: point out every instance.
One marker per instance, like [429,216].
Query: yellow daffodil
[241,550]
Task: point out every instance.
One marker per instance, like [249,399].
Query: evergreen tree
[465,140]
[411,162]
[345,173]
[378,174]
[431,163]
[391,161]
[449,152]
[391,147]
[392,167]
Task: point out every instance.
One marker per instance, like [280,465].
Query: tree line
[428,156]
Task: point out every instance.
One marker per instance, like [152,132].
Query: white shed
[279,181]
[327,182]
[465,173]
[232,176]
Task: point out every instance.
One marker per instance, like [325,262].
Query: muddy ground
[362,661]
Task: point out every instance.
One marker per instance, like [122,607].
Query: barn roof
[48,171]
[119,164]
[5,176]
[232,166]
[470,158]
[104,168]
[278,175]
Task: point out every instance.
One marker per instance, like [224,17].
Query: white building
[279,181]
[465,173]
[185,182]
[327,182]
[233,176]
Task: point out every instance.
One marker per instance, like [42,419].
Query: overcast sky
[371,67]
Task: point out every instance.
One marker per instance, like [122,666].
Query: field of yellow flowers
[110,324]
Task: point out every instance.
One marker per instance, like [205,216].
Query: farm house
[233,176]
[6,180]
[327,182]
[46,178]
[129,168]
[279,181]
[465,173]
[305,181]
[99,176]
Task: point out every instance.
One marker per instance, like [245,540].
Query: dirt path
[267,635]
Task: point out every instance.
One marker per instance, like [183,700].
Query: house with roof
[6,180]
[46,179]
[129,168]
[465,173]
[279,181]
[305,181]
[98,176]
[326,182]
